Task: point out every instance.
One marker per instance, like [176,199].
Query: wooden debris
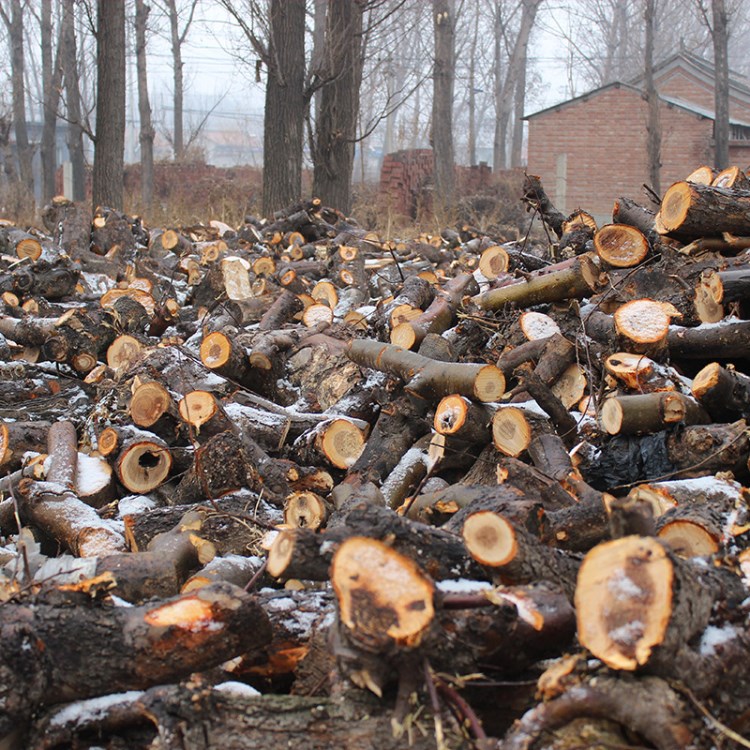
[377,480]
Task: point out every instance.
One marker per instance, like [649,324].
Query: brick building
[591,149]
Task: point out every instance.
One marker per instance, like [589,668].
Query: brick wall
[682,84]
[594,150]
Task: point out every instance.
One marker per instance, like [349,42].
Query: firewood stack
[299,484]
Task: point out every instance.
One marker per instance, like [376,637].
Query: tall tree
[720,36]
[146,136]
[51,83]
[442,102]
[278,39]
[74,115]
[653,128]
[110,104]
[14,24]
[511,92]
[177,37]
[336,127]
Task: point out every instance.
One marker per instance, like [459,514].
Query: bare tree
[510,81]
[175,13]
[720,36]
[146,136]
[51,83]
[14,23]
[278,39]
[74,115]
[652,97]
[442,102]
[110,104]
[336,127]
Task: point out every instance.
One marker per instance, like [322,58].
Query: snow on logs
[243,383]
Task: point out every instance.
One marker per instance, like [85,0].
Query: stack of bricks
[403,178]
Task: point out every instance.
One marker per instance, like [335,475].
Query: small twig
[718,725]
[463,708]
[435,703]
[258,573]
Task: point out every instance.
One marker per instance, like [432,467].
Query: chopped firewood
[434,462]
[383,597]
[649,412]
[621,246]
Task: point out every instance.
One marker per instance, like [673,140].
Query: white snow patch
[622,587]
[134,505]
[94,473]
[463,586]
[232,687]
[627,634]
[713,637]
[118,602]
[93,709]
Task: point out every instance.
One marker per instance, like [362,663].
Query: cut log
[649,412]
[53,506]
[152,405]
[513,429]
[305,510]
[384,599]
[144,460]
[307,555]
[16,438]
[438,317]
[643,325]
[151,644]
[689,210]
[494,261]
[460,418]
[576,279]
[513,555]
[427,377]
[621,246]
[634,599]
[723,392]
[639,373]
[536,325]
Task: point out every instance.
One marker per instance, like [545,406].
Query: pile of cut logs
[297,484]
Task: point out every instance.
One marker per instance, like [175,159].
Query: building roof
[703,68]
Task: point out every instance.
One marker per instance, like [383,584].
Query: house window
[739,133]
[561,181]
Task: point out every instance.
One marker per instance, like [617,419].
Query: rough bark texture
[336,131]
[110,111]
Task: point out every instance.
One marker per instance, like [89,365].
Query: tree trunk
[721,86]
[285,106]
[339,105]
[14,24]
[110,100]
[73,101]
[51,82]
[472,94]
[178,140]
[442,102]
[515,76]
[146,137]
[654,127]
